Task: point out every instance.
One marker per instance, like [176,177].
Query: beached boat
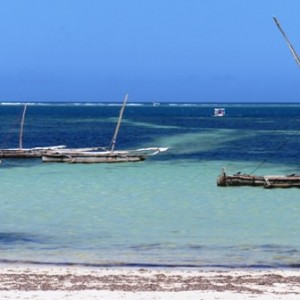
[103,155]
[26,152]
[219,112]
[268,181]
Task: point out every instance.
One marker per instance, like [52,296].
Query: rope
[267,159]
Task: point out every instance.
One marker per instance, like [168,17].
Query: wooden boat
[268,181]
[76,156]
[26,152]
[104,155]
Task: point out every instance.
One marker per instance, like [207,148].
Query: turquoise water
[144,213]
[166,211]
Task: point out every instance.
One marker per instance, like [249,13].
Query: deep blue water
[266,131]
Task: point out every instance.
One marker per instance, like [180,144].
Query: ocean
[166,211]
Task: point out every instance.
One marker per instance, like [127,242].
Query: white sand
[55,282]
[101,295]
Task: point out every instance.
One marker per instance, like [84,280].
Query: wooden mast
[296,57]
[22,127]
[114,139]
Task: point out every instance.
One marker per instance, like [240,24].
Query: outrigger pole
[296,57]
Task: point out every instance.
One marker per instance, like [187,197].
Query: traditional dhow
[104,155]
[269,181]
[74,156]
[26,152]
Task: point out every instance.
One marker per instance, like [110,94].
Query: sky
[154,50]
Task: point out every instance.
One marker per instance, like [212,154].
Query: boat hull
[271,181]
[240,180]
[20,154]
[92,159]
[77,156]
[27,153]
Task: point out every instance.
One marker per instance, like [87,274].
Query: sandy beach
[73,282]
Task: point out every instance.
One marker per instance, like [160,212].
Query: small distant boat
[104,155]
[219,112]
[26,152]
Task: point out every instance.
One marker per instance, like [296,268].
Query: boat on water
[26,152]
[267,181]
[219,112]
[103,155]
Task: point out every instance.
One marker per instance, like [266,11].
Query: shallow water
[164,211]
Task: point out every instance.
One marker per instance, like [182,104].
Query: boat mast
[296,57]
[114,139]
[21,127]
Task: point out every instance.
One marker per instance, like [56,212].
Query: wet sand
[72,282]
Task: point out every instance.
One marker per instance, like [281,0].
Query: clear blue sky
[155,50]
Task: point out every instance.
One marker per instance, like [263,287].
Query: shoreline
[27,281]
